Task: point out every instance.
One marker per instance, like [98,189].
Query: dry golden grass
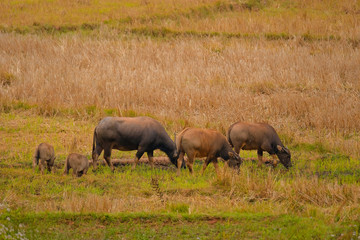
[336,20]
[309,91]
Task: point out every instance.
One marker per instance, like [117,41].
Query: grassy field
[64,65]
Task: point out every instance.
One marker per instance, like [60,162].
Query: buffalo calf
[44,155]
[79,163]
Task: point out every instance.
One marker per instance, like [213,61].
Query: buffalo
[143,134]
[196,142]
[46,154]
[260,137]
[79,163]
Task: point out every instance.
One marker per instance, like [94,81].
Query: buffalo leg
[35,163]
[138,155]
[179,162]
[49,165]
[237,149]
[80,173]
[67,166]
[151,159]
[206,163]
[260,155]
[52,164]
[215,162]
[42,166]
[107,156]
[190,162]
[190,166]
[66,169]
[36,158]
[95,155]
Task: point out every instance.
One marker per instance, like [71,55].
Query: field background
[64,65]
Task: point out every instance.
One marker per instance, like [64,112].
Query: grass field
[64,65]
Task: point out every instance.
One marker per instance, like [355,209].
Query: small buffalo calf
[79,163]
[46,154]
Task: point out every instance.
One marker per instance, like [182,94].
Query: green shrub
[6,79]
[254,4]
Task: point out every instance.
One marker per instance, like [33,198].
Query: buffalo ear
[231,154]
[279,148]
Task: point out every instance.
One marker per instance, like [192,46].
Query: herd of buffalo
[145,134]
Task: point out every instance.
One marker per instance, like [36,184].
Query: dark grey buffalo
[260,137]
[44,155]
[78,163]
[197,142]
[143,134]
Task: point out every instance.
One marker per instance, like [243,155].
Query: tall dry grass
[321,19]
[307,90]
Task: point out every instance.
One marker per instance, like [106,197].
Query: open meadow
[64,65]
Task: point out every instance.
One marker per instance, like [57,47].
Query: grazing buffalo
[143,134]
[260,137]
[46,154]
[196,142]
[79,163]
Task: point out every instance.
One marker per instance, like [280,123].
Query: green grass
[91,30]
[170,226]
[136,19]
[262,203]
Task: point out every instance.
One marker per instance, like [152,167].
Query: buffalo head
[234,160]
[284,156]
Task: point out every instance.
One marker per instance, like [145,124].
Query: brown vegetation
[308,91]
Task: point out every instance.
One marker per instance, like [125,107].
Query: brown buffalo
[196,142]
[46,154]
[260,137]
[79,164]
